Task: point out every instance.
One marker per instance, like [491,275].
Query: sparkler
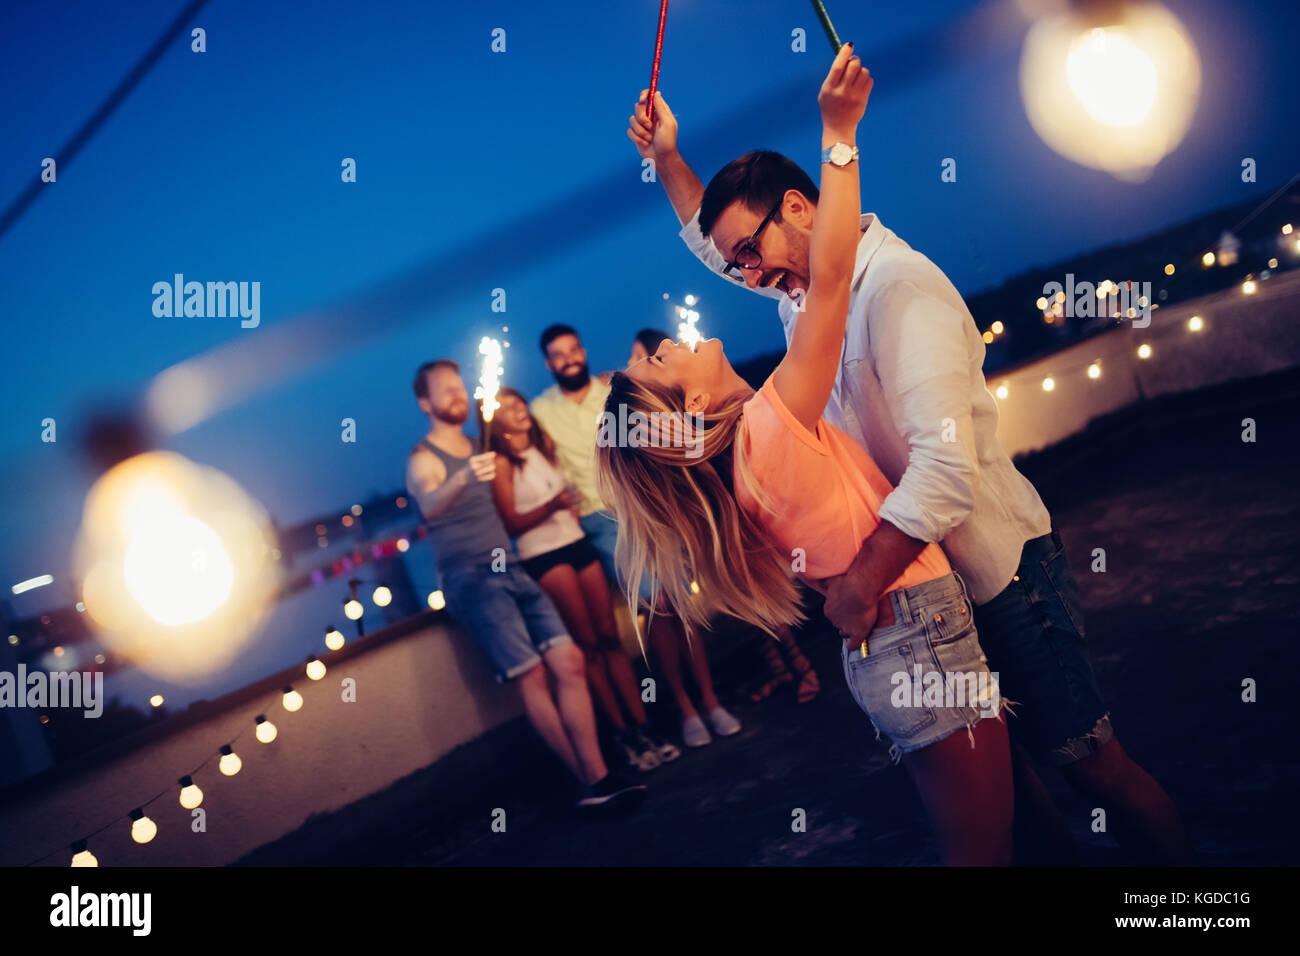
[687,333]
[654,70]
[489,381]
[820,9]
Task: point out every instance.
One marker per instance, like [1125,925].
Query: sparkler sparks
[686,331]
[489,382]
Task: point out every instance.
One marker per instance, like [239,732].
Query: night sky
[225,166]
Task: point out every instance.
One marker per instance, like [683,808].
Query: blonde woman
[758,484]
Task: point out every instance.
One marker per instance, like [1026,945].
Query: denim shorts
[507,615]
[602,532]
[1033,635]
[923,677]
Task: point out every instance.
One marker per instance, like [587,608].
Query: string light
[1049,383]
[333,638]
[81,856]
[315,668]
[352,609]
[437,601]
[1248,287]
[156,700]
[292,699]
[1002,390]
[382,596]
[142,828]
[191,796]
[1144,351]
[997,327]
[229,763]
[1207,260]
[265,730]
[1195,323]
[1094,370]
[1169,269]
[1286,230]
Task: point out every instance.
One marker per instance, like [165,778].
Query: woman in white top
[539,510]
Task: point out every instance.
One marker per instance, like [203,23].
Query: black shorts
[577,555]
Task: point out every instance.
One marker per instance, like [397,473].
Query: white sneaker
[694,733]
[724,725]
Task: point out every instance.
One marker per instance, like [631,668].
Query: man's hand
[484,466]
[844,93]
[851,605]
[662,140]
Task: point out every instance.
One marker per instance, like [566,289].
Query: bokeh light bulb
[1112,87]
[382,596]
[191,795]
[315,669]
[265,729]
[292,700]
[437,601]
[142,828]
[333,639]
[81,856]
[229,763]
[352,609]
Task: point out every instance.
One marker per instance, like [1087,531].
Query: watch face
[841,153]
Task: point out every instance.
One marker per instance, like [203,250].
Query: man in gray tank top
[511,621]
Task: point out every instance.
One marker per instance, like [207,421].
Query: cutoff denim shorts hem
[509,618]
[924,677]
[1034,637]
[602,532]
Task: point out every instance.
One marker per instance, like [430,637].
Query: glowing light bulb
[382,596]
[315,669]
[81,856]
[292,699]
[229,763]
[191,795]
[1094,370]
[997,327]
[156,700]
[437,601]
[1002,391]
[1115,95]
[403,545]
[1049,383]
[1286,230]
[1272,263]
[1169,269]
[333,639]
[1144,351]
[1041,303]
[1207,259]
[695,587]
[352,609]
[988,337]
[1248,287]
[1195,323]
[142,828]
[175,564]
[265,729]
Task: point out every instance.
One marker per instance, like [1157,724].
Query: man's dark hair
[650,339]
[758,179]
[421,383]
[553,332]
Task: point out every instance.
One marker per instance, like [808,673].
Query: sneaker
[724,725]
[694,733]
[637,751]
[665,749]
[610,790]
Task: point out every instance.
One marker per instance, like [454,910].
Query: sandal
[776,666]
[809,684]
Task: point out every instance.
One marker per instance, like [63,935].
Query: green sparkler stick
[824,17]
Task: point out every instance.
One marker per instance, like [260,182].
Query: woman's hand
[844,93]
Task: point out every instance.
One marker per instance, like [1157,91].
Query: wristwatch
[839,154]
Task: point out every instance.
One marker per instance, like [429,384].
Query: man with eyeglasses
[911,391]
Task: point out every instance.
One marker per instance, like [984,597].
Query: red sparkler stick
[654,72]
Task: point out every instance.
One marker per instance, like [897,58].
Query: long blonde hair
[678,518]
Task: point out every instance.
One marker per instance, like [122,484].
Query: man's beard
[454,414]
[576,381]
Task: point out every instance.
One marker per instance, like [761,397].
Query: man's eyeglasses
[748,256]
